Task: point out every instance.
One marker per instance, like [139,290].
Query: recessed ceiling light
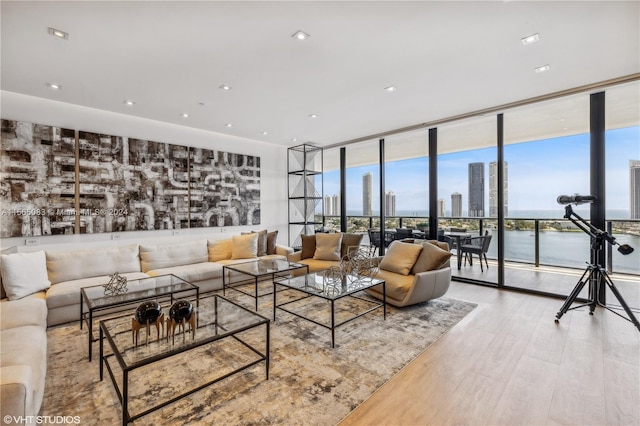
[58,33]
[542,68]
[54,86]
[530,39]
[391,88]
[294,140]
[265,133]
[313,116]
[130,103]
[229,125]
[225,87]
[184,115]
[300,35]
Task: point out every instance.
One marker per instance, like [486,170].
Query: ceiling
[445,58]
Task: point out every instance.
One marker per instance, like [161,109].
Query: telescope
[576,199]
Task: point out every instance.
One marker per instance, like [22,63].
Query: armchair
[429,276]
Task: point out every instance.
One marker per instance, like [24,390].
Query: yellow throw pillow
[244,246]
[432,257]
[220,250]
[400,257]
[328,247]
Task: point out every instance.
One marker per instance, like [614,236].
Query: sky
[538,172]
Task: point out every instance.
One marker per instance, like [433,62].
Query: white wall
[273,168]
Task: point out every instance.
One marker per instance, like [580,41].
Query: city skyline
[539,171]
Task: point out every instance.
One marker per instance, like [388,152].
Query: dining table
[458,237]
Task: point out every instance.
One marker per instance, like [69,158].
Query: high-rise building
[493,189]
[331,205]
[634,188]
[456,204]
[476,189]
[442,207]
[367,194]
[389,203]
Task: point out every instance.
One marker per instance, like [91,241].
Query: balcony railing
[536,241]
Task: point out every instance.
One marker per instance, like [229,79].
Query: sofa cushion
[26,346]
[27,311]
[168,255]
[328,246]
[78,264]
[349,240]
[397,285]
[192,273]
[272,238]
[308,246]
[68,292]
[244,246]
[219,250]
[400,257]
[24,274]
[431,257]
[314,265]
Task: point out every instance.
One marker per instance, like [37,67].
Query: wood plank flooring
[509,363]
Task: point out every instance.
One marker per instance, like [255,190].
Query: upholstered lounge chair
[414,272]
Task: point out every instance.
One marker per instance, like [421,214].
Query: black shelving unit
[304,165]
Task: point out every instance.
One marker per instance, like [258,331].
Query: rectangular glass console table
[163,289]
[257,270]
[148,376]
[332,290]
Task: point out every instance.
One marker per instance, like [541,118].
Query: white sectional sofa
[43,289]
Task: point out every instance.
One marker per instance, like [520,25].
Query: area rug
[309,384]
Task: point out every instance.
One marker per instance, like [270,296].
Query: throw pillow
[308,246]
[271,242]
[400,257]
[328,247]
[244,246]
[262,241]
[432,257]
[24,274]
[349,240]
[220,250]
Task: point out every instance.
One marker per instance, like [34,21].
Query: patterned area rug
[309,383]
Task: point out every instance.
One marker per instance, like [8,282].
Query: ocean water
[571,249]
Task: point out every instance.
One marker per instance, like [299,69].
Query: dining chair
[374,241]
[476,245]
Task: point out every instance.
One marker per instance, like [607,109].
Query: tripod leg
[624,305]
[574,293]
[594,287]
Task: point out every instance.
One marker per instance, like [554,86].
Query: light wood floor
[509,363]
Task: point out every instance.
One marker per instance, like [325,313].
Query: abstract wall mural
[225,188]
[123,184]
[37,180]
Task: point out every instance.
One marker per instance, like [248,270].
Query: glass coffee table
[163,288]
[258,270]
[318,285]
[147,376]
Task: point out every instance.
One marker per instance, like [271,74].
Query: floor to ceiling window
[331,183]
[363,186]
[547,152]
[622,172]
[466,155]
[407,181]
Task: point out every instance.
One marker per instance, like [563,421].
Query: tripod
[595,275]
